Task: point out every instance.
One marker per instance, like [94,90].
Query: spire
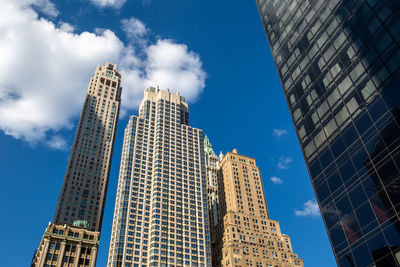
[208,147]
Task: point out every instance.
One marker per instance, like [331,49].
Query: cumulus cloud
[108,3]
[279,132]
[133,28]
[276,180]
[164,63]
[283,163]
[310,209]
[173,66]
[44,76]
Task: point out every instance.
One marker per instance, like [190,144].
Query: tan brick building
[247,236]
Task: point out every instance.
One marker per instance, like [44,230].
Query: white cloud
[57,142]
[174,67]
[46,70]
[133,28]
[276,180]
[108,3]
[279,132]
[66,27]
[44,75]
[310,209]
[46,7]
[167,64]
[283,163]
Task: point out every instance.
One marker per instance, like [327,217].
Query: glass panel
[392,234]
[331,216]
[322,191]
[336,234]
[334,181]
[357,196]
[347,261]
[365,215]
[347,170]
[351,227]
[381,207]
[378,246]
[362,255]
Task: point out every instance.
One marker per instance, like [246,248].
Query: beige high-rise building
[79,213]
[247,236]
[160,214]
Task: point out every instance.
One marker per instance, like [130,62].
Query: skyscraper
[160,214]
[247,236]
[212,162]
[338,62]
[73,236]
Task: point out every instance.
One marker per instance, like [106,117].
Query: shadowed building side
[72,239]
[212,162]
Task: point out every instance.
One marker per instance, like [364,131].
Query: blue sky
[214,52]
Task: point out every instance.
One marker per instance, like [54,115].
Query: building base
[67,246]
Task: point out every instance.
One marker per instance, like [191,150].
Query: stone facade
[160,214]
[66,246]
[79,213]
[247,236]
[212,162]
[83,192]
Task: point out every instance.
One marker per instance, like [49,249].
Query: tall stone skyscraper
[72,238]
[212,162]
[339,64]
[247,236]
[160,214]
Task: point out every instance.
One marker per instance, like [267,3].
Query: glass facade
[339,64]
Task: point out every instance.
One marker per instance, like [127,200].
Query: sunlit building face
[338,62]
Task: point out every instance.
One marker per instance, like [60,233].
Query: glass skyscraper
[338,62]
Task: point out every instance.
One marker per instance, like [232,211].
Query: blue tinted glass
[362,255]
[363,159]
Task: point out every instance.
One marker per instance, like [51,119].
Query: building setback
[339,65]
[73,236]
[247,236]
[160,214]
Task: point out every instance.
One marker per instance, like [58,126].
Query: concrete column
[77,255]
[44,252]
[61,254]
[93,257]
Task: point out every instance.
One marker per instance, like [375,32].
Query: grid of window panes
[338,62]
[131,212]
[83,192]
[161,216]
[248,236]
[212,193]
